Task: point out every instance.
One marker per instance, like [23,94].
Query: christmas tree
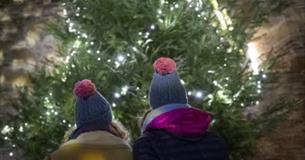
[114,42]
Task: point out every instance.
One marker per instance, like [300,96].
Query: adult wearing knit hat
[173,129]
[92,110]
[95,136]
[166,86]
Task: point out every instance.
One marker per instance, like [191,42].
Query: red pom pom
[84,88]
[164,65]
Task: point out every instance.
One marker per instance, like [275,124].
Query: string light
[198,94]
[121,58]
[124,90]
[113,105]
[117,95]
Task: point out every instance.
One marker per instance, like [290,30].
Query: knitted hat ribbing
[166,87]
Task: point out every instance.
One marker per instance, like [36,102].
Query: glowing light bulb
[152,27]
[189,93]
[117,95]
[113,105]
[199,94]
[21,129]
[11,154]
[124,90]
[121,58]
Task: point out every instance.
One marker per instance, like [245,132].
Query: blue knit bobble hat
[91,107]
[166,87]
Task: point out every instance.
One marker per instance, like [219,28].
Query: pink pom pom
[84,88]
[164,65]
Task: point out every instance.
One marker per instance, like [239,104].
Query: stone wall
[282,40]
[25,46]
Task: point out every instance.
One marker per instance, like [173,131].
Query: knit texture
[92,110]
[166,87]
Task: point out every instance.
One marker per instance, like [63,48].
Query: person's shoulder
[211,137]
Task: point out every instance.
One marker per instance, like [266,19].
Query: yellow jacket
[97,145]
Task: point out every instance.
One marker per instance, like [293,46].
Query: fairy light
[198,94]
[121,58]
[117,95]
[124,90]
[113,105]
[21,129]
[189,93]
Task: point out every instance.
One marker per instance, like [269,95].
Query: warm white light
[84,35]
[117,95]
[20,129]
[76,44]
[189,93]
[6,129]
[124,90]
[252,54]
[152,27]
[199,94]
[259,91]
[121,58]
[11,154]
[113,105]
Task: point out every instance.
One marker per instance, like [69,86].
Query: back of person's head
[166,86]
[92,110]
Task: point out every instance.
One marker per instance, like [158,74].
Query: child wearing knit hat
[95,136]
[173,129]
